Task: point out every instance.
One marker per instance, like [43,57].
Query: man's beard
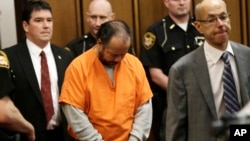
[105,62]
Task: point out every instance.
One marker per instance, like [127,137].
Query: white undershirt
[183,26]
[35,51]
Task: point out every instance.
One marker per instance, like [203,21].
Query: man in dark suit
[195,89]
[27,73]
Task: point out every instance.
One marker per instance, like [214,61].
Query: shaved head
[99,12]
[100,4]
[205,5]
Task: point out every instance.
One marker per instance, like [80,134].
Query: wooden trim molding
[137,43]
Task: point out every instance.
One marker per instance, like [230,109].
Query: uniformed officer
[163,44]
[99,11]
[11,119]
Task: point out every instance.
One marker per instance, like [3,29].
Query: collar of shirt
[36,50]
[170,24]
[213,53]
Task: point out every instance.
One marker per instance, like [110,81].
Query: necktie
[45,88]
[230,94]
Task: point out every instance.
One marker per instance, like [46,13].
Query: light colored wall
[8,36]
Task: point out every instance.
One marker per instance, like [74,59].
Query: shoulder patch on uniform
[4,62]
[148,40]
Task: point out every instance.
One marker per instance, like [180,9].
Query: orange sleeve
[73,86]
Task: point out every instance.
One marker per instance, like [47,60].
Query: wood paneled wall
[67,21]
[245,18]
[70,23]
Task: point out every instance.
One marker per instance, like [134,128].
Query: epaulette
[80,39]
[83,38]
[4,62]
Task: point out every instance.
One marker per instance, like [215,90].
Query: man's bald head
[205,5]
[100,11]
[100,4]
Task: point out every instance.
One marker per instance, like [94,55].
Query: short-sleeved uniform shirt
[6,85]
[110,106]
[165,42]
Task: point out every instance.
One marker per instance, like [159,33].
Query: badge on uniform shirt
[149,40]
[4,62]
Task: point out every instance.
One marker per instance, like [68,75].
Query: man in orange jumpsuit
[105,94]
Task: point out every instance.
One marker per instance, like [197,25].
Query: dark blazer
[27,96]
[191,106]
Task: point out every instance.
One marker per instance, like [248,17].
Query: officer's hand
[31,135]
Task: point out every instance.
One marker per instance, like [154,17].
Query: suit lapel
[29,72]
[58,59]
[202,76]
[243,77]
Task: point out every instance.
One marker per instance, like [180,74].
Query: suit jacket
[191,106]
[27,96]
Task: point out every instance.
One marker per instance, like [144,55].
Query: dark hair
[34,5]
[113,28]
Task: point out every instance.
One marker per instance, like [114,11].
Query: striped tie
[230,94]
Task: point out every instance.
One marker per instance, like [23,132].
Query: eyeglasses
[213,20]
